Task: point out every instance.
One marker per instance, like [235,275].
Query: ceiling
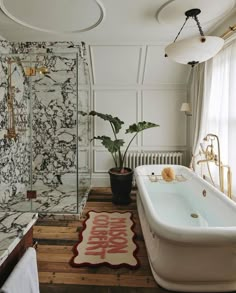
[107,21]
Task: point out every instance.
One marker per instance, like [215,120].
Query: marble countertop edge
[5,253]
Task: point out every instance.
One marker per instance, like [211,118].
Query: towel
[24,277]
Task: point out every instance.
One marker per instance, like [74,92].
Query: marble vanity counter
[13,226]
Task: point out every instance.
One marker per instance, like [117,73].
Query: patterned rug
[106,239]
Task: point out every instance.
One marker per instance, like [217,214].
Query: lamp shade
[185,107]
[194,49]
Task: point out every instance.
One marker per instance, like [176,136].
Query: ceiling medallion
[55,16]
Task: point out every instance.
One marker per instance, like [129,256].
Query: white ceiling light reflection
[55,16]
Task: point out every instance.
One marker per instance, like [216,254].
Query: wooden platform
[56,239]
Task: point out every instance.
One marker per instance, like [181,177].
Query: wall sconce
[185,107]
[194,50]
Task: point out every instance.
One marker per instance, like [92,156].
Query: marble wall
[14,158]
[49,133]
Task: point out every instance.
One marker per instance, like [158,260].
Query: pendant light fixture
[194,50]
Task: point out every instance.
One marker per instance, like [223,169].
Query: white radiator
[145,158]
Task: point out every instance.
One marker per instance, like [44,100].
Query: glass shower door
[44,143]
[54,146]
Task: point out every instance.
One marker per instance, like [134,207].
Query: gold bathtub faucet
[210,156]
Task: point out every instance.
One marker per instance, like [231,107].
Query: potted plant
[120,176]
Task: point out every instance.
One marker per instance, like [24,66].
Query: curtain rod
[229,32]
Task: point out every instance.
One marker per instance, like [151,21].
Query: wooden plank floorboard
[46,266]
[67,248]
[66,256]
[61,288]
[56,239]
[97,279]
[57,234]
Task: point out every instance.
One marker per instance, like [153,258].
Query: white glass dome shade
[193,50]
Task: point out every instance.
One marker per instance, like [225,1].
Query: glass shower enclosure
[47,140]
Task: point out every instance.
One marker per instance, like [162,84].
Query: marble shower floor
[61,199]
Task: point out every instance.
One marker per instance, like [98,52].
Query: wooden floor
[56,239]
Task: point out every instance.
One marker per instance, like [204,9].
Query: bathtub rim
[199,235]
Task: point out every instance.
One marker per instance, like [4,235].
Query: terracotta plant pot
[121,185]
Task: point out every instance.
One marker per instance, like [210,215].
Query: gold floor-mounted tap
[211,156]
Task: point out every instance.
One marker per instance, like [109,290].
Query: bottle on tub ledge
[153,177]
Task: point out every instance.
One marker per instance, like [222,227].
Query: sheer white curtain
[212,92]
[221,118]
[199,93]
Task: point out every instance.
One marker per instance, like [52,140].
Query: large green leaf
[140,126]
[112,146]
[115,121]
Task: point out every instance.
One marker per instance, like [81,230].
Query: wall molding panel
[126,82]
[161,70]
[84,160]
[108,64]
[163,108]
[118,103]
[102,161]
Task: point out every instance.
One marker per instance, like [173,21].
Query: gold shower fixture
[29,71]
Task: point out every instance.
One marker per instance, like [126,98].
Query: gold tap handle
[229,180]
[222,178]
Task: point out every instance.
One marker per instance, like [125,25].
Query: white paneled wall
[116,58]
[120,103]
[135,83]
[162,107]
[160,70]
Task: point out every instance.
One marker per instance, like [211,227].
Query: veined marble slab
[13,226]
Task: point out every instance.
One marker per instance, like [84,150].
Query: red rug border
[87,264]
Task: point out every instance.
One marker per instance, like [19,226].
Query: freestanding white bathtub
[189,229]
